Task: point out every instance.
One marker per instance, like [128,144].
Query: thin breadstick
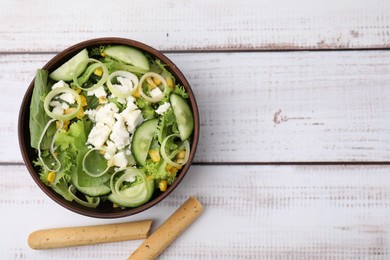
[158,241]
[89,235]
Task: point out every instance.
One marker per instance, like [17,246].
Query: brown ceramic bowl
[29,154]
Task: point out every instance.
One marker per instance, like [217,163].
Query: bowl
[29,154]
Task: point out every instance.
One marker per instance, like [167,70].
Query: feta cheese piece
[57,107]
[120,160]
[68,97]
[91,113]
[110,150]
[163,108]
[64,106]
[156,93]
[130,103]
[120,136]
[125,85]
[58,111]
[55,103]
[98,135]
[99,92]
[132,118]
[106,113]
[60,84]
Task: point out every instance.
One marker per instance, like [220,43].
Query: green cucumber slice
[183,114]
[142,139]
[128,55]
[65,72]
[93,191]
[136,195]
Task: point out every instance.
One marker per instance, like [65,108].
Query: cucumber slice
[134,201]
[142,139]
[128,55]
[65,72]
[93,191]
[183,114]
[136,195]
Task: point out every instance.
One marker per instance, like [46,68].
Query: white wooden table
[294,97]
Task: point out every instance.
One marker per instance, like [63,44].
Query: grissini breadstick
[89,235]
[158,241]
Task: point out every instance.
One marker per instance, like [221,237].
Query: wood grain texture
[250,212]
[44,26]
[261,107]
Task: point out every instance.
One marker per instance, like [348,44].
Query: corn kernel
[168,167]
[170,82]
[69,111]
[81,113]
[154,155]
[103,54]
[181,155]
[65,125]
[83,100]
[162,185]
[136,93]
[156,81]
[98,72]
[58,124]
[78,90]
[151,83]
[110,163]
[51,176]
[102,100]
[173,171]
[149,178]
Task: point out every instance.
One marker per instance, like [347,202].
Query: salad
[110,125]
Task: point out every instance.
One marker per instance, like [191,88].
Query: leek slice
[96,64]
[54,93]
[52,148]
[154,75]
[127,75]
[90,155]
[92,202]
[167,158]
[135,195]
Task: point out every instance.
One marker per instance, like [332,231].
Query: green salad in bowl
[109,128]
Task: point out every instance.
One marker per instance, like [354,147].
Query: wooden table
[294,99]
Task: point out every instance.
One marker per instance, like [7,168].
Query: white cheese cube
[106,114]
[58,111]
[163,108]
[110,150]
[133,118]
[156,93]
[68,97]
[98,135]
[60,84]
[99,92]
[91,113]
[120,160]
[120,136]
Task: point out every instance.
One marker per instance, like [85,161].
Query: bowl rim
[58,60]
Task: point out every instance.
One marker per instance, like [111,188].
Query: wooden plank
[197,25]
[261,107]
[250,212]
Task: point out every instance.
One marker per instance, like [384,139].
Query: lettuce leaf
[167,125]
[146,108]
[38,116]
[75,138]
[158,171]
